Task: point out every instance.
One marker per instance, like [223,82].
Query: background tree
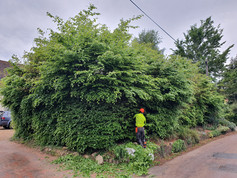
[150,37]
[202,44]
[228,86]
[229,81]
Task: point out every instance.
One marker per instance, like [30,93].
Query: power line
[153,20]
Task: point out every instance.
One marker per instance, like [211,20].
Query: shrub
[162,149]
[227,123]
[232,113]
[220,130]
[82,129]
[178,146]
[189,135]
[162,124]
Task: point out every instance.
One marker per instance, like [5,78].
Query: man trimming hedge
[140,123]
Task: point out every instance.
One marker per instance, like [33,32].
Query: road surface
[217,159]
[19,161]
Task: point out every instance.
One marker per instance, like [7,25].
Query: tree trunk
[206,62]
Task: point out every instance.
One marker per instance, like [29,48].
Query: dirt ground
[216,159]
[19,161]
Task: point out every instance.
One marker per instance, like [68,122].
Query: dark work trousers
[140,136]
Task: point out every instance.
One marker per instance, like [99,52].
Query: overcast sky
[19,19]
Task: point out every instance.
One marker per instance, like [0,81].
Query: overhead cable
[153,21]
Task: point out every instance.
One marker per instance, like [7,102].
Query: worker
[140,123]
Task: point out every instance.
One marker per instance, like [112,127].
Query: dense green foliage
[227,123]
[229,81]
[220,130]
[228,86]
[178,146]
[203,44]
[82,84]
[189,135]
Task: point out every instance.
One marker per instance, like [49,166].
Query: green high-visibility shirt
[140,120]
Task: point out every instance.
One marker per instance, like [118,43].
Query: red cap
[142,110]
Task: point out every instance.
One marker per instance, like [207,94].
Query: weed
[128,164]
[189,135]
[161,149]
[178,146]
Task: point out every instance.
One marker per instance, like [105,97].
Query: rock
[47,149]
[94,154]
[115,162]
[203,133]
[64,148]
[59,152]
[99,159]
[131,151]
[86,156]
[152,156]
[75,154]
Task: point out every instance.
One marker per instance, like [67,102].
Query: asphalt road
[217,159]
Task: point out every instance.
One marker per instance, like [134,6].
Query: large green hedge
[82,84]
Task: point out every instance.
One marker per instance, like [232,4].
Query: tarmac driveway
[217,159]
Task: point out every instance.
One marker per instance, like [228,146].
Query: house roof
[3,66]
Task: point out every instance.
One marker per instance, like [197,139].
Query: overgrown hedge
[81,86]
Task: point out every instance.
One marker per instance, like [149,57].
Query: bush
[206,106]
[178,146]
[189,135]
[220,130]
[162,124]
[232,113]
[88,131]
[227,123]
